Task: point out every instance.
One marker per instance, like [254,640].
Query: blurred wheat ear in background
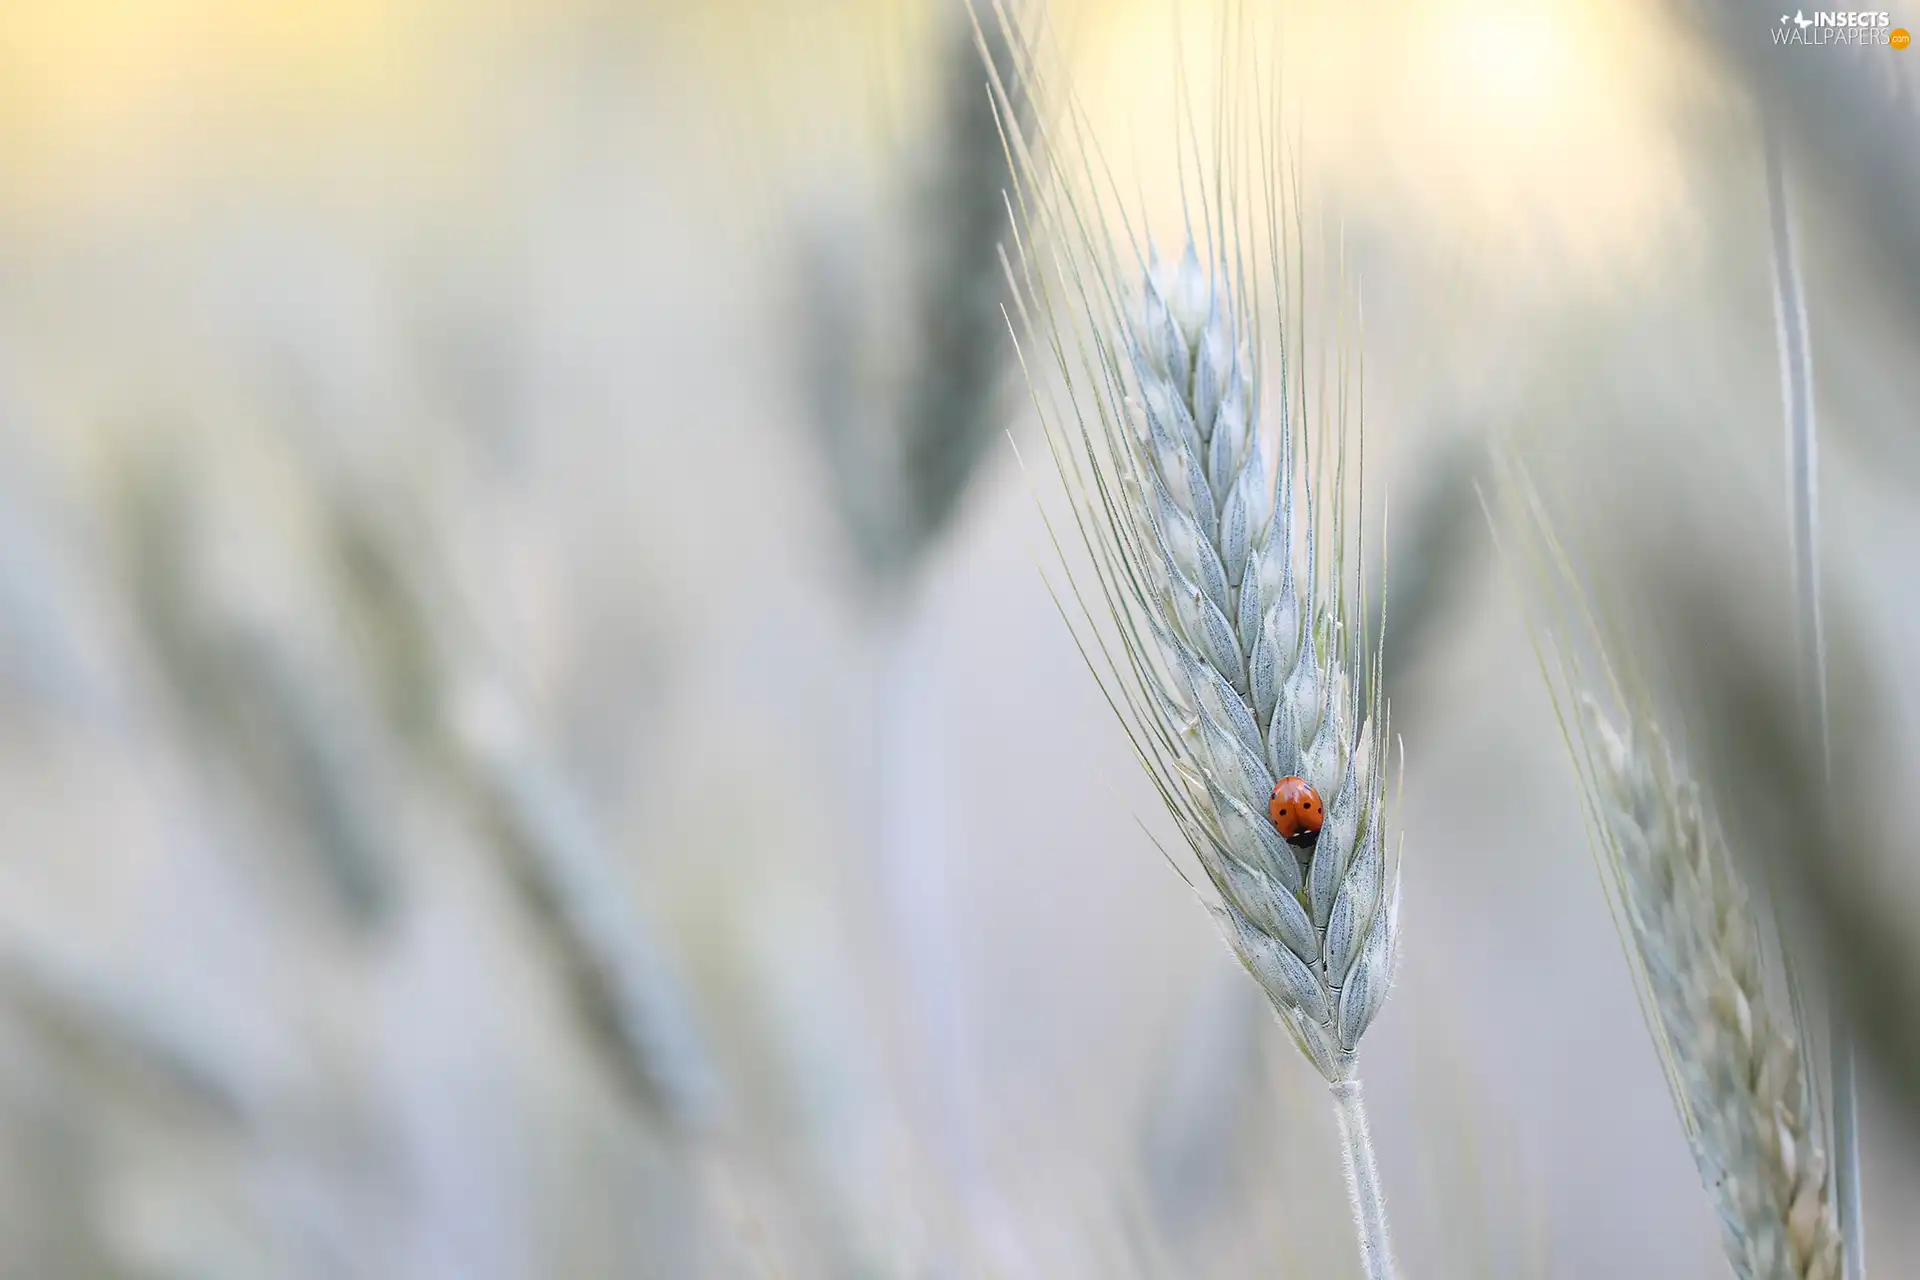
[1740,1074]
[460,719]
[1716,979]
[903,420]
[253,702]
[901,442]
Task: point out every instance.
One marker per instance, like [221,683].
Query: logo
[1840,27]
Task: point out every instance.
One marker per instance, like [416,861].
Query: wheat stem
[1796,381]
[903,438]
[915,874]
[1363,1180]
[1846,1147]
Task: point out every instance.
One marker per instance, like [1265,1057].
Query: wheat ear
[1709,963]
[633,1006]
[1221,596]
[1735,1060]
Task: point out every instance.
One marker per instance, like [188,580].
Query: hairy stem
[1796,382]
[1363,1181]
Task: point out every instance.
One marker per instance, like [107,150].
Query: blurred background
[532,739]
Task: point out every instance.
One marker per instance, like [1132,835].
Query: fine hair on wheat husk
[1211,456]
[1707,954]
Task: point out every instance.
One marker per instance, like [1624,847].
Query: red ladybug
[1296,811]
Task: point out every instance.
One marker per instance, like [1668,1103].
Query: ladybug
[1296,811]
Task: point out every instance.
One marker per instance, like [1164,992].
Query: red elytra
[1296,810]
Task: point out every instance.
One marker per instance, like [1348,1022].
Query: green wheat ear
[1220,603]
[1709,961]
[1733,1048]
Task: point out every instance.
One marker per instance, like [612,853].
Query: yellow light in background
[1518,62]
[107,101]
[1540,126]
[1502,130]
[87,63]
[1485,121]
